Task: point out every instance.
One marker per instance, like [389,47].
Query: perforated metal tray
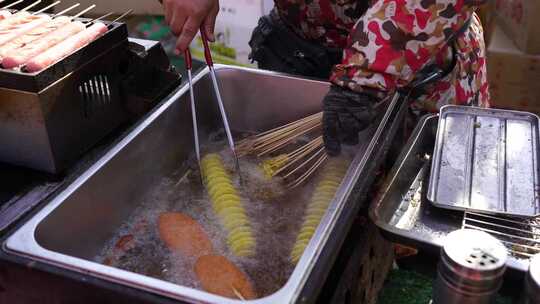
[486,160]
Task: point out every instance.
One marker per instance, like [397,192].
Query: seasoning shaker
[471,268]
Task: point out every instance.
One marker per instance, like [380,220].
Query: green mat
[409,287]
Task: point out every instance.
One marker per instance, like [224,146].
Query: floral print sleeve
[395,39]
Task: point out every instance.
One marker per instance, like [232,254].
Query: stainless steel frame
[70,230]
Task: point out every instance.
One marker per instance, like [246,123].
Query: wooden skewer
[288,134]
[282,143]
[281,165]
[30,6]
[84,11]
[47,7]
[256,141]
[237,293]
[321,150]
[122,16]
[287,140]
[309,156]
[300,154]
[298,122]
[12,4]
[66,10]
[308,173]
[298,125]
[100,18]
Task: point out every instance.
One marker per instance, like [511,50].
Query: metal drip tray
[404,214]
[486,160]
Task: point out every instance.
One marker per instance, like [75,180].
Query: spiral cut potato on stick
[331,178]
[227,205]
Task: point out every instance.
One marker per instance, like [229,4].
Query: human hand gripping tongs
[210,63]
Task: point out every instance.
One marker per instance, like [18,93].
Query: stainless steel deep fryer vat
[70,230]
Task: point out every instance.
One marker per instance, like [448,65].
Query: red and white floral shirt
[385,45]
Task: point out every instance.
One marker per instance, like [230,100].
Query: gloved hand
[345,114]
[185,18]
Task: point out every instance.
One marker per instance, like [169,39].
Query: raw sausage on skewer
[16,19]
[33,35]
[8,19]
[20,56]
[4,14]
[66,47]
[40,31]
[21,29]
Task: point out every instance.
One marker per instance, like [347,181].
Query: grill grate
[95,95]
[520,236]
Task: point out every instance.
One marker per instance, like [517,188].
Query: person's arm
[185,18]
[396,38]
[388,45]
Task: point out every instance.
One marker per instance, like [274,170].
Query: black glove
[346,113]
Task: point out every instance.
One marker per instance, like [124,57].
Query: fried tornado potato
[220,276]
[227,204]
[330,180]
[183,234]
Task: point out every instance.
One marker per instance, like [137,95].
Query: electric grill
[51,117]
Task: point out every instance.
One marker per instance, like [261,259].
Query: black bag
[275,47]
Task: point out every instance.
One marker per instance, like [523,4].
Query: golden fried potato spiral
[330,180]
[227,204]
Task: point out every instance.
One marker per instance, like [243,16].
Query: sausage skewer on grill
[70,45]
[4,12]
[37,32]
[13,31]
[20,56]
[19,17]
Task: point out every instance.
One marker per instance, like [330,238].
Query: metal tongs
[210,63]
[189,65]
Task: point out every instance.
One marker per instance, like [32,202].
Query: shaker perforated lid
[471,268]
[475,250]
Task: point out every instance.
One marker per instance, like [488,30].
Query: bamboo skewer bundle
[273,140]
[294,166]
